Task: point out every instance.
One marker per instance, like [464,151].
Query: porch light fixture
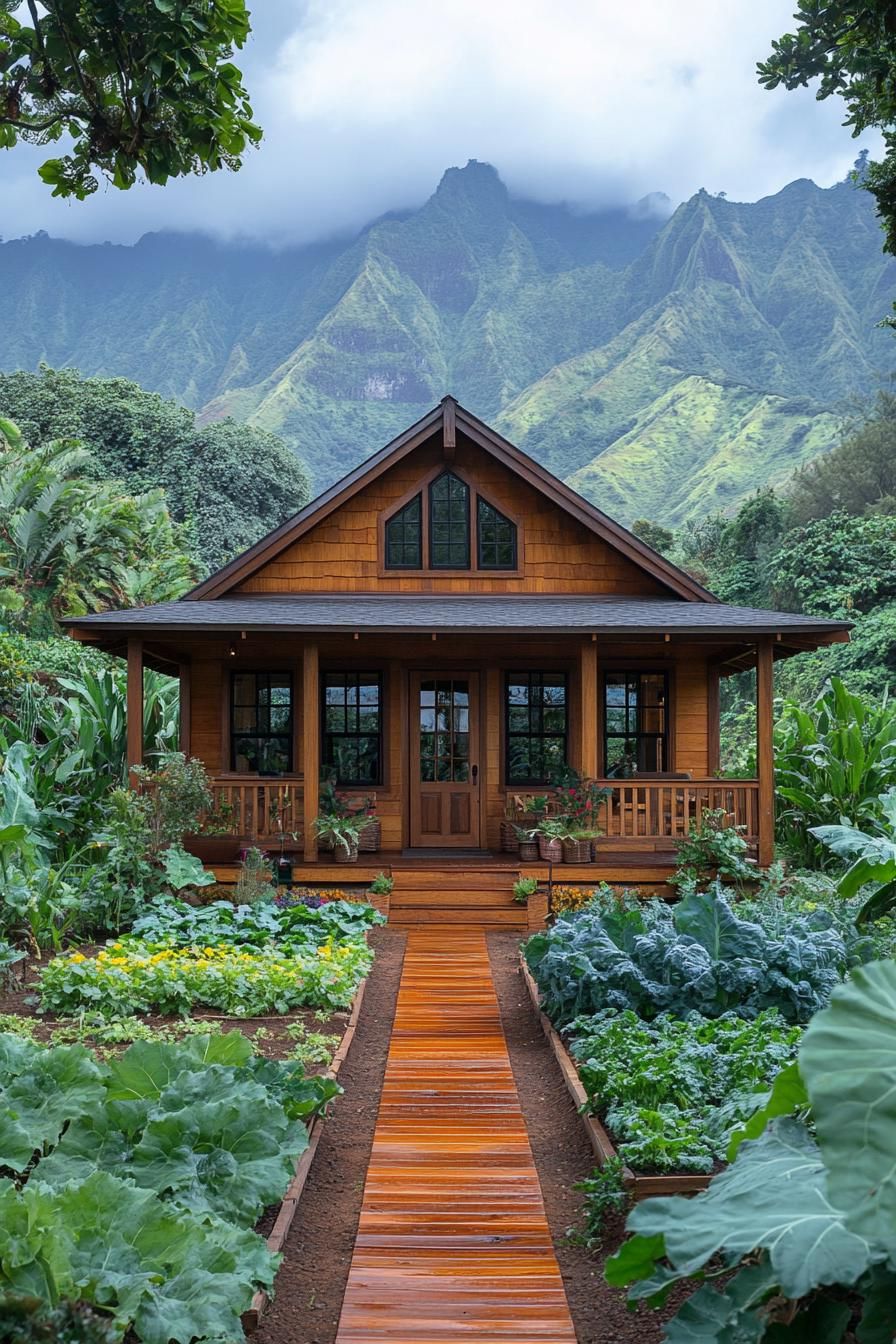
[232,649]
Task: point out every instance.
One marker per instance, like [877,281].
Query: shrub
[566,900]
[695,956]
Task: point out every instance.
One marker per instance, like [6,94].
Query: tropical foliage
[871,858]
[227,484]
[137,89]
[833,760]
[69,544]
[801,1224]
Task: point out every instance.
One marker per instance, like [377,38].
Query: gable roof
[448,417]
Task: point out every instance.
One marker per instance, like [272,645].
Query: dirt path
[311,1281]
[563,1157]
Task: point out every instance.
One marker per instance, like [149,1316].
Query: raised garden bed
[276,1238]
[639,1185]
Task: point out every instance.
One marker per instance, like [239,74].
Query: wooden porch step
[451,895]
[483,917]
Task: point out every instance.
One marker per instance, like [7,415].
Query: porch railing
[664,809]
[260,810]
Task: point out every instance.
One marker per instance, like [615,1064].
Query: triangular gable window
[437,530]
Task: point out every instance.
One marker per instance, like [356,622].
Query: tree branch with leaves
[138,85]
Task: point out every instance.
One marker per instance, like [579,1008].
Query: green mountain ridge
[662,366]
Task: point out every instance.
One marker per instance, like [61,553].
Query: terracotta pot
[528,851]
[550,851]
[370,838]
[576,851]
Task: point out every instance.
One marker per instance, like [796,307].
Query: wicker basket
[576,851]
[371,836]
[550,851]
[528,851]
[510,841]
[343,855]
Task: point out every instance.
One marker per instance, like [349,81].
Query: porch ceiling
[480,614]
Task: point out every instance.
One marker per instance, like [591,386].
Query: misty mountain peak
[476,184]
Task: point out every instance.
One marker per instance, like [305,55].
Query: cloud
[365,102]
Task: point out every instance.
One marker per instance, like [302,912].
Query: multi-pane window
[445,730]
[404,537]
[635,723]
[352,727]
[449,522]
[261,722]
[440,535]
[497,538]
[535,726]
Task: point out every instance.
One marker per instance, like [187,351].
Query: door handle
[475,773]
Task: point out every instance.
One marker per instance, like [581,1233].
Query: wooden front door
[444,766]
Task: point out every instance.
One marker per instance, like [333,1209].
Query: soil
[311,1281]
[269,1035]
[563,1156]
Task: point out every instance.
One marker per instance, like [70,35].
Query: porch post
[184,701]
[134,707]
[713,719]
[310,747]
[765,755]
[588,707]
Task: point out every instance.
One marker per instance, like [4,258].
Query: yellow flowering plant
[131,977]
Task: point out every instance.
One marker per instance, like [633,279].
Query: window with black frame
[635,723]
[404,537]
[496,537]
[535,723]
[261,707]
[449,522]
[351,748]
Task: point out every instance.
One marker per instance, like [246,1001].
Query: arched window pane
[404,537]
[449,523]
[497,538]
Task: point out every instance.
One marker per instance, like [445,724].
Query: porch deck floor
[453,1241]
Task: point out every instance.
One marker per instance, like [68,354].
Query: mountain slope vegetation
[665,365]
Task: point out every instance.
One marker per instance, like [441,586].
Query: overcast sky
[366,102]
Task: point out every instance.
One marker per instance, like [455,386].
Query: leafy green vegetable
[810,1220]
[698,956]
[174,1276]
[671,1090]
[139,1181]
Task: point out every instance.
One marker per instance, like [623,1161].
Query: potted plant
[550,833]
[527,844]
[370,837]
[340,834]
[523,888]
[578,845]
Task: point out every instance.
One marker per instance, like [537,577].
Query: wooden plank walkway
[453,1242]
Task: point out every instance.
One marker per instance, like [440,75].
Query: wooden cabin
[441,630]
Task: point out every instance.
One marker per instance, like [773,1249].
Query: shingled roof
[390,613]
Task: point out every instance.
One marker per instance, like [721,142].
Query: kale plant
[696,956]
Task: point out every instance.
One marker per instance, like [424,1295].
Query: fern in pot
[550,834]
[341,834]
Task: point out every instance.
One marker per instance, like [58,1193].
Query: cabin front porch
[446,723]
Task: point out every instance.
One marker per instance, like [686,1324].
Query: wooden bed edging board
[639,1187]
[290,1202]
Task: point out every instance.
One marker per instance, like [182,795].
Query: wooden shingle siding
[557,554]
